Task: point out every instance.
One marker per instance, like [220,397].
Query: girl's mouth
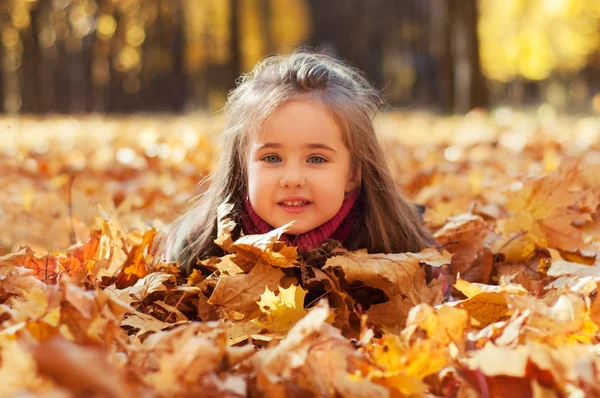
[294,207]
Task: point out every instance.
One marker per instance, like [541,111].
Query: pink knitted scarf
[337,228]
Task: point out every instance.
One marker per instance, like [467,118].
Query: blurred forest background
[121,56]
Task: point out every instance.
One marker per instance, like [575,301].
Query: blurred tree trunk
[178,76]
[31,61]
[266,18]
[235,48]
[465,86]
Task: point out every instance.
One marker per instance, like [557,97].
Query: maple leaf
[192,360]
[393,273]
[543,214]
[137,267]
[399,276]
[266,247]
[227,265]
[78,256]
[397,368]
[145,323]
[468,237]
[225,225]
[26,258]
[314,358]
[424,348]
[195,278]
[281,312]
[444,324]
[486,304]
[241,331]
[392,315]
[237,294]
[154,282]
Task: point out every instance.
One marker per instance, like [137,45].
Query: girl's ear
[354,180]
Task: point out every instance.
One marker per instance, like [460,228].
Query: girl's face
[298,167]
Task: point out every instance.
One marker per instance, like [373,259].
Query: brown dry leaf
[468,237]
[78,256]
[399,276]
[154,282]
[226,265]
[266,247]
[237,295]
[174,314]
[337,364]
[313,359]
[145,323]
[502,333]
[392,315]
[68,364]
[242,331]
[41,267]
[137,268]
[192,361]
[395,274]
[206,312]
[31,304]
[112,251]
[281,255]
[259,243]
[225,226]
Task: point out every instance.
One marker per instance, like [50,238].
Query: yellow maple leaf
[281,312]
[544,211]
[401,366]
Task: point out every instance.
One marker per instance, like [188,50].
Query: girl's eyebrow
[316,145]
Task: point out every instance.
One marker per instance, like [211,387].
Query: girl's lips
[294,209]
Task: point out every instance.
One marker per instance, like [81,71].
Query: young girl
[299,144]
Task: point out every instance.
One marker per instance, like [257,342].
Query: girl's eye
[317,159]
[271,158]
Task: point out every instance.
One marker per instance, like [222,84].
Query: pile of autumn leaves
[106,318]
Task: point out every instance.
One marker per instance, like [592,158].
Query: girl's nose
[292,177]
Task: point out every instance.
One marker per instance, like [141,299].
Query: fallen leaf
[241,292]
[281,312]
[69,365]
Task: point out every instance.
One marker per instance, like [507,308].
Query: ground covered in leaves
[507,305]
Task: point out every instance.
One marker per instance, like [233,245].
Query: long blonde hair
[388,223]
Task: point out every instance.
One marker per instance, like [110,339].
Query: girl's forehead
[298,122]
